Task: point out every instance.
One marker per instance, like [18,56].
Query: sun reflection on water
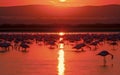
[61,39]
[61,46]
[61,64]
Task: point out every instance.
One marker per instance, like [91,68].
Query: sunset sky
[58,2]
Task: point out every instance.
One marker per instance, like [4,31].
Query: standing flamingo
[114,43]
[104,53]
[95,43]
[5,45]
[24,47]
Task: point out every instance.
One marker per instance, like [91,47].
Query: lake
[53,53]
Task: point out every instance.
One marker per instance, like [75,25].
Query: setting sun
[62,0]
[61,33]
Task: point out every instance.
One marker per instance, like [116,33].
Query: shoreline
[60,29]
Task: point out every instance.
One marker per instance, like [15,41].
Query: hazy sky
[57,2]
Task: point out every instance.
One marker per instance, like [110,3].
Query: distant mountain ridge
[54,14]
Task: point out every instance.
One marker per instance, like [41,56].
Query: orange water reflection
[61,64]
[63,60]
[61,46]
[61,39]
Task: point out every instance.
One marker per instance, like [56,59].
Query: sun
[61,33]
[62,0]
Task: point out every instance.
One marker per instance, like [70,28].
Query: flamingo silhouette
[95,43]
[114,43]
[24,46]
[79,46]
[5,45]
[104,53]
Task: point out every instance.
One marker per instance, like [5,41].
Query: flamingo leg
[95,47]
[104,61]
[82,49]
[113,47]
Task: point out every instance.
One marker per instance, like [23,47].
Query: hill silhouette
[46,14]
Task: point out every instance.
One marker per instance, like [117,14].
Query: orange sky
[56,2]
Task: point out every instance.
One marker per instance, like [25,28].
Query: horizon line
[61,6]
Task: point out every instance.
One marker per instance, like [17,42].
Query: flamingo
[114,43]
[25,46]
[5,45]
[79,46]
[104,53]
[52,44]
[95,43]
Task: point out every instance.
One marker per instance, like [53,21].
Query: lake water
[61,59]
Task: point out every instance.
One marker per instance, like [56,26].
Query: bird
[79,46]
[24,46]
[5,45]
[114,43]
[104,53]
[95,43]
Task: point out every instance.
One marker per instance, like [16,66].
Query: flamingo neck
[112,56]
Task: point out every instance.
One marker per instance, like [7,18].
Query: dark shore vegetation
[59,27]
